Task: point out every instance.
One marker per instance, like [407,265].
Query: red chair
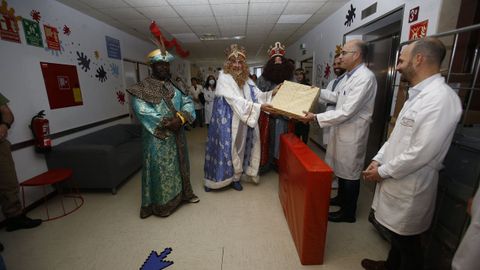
[51,177]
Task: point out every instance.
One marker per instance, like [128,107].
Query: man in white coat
[406,167]
[350,125]
[466,256]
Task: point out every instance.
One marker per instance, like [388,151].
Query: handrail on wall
[475,67]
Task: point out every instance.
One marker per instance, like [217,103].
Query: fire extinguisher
[41,133]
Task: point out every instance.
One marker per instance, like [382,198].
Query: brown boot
[373,265]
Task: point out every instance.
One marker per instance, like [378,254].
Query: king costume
[166,169]
[233,145]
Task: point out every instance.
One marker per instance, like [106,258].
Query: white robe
[245,114]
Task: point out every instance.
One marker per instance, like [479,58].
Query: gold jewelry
[181,117]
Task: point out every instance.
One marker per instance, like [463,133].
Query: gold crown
[235,50]
[277,50]
[338,49]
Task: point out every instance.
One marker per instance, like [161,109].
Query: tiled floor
[227,230]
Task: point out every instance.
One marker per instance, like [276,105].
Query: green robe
[166,170]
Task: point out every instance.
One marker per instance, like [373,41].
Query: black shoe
[340,216]
[237,186]
[373,265]
[22,222]
[335,201]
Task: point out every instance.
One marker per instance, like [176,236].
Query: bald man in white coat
[406,167]
[349,127]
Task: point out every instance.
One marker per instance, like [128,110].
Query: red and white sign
[418,30]
[9,28]
[51,34]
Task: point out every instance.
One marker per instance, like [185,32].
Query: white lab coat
[350,124]
[468,252]
[405,201]
[327,96]
[209,97]
[194,92]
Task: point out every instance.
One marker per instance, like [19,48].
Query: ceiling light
[299,18]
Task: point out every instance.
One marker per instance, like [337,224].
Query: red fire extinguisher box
[304,191]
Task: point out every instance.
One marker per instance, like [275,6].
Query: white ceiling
[262,22]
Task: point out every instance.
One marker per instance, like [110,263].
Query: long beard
[278,73]
[240,76]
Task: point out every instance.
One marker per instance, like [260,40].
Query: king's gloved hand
[172,123]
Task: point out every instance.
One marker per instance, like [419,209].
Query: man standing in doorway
[350,125]
[406,167]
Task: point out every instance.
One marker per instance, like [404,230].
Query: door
[381,61]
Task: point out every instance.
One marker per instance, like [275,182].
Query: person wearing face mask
[209,94]
[163,110]
[233,149]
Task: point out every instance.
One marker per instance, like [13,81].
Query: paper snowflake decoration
[350,15]
[101,74]
[35,15]
[83,61]
[327,71]
[121,97]
[97,54]
[66,30]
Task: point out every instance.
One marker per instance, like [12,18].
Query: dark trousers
[9,188]
[405,252]
[348,191]
[199,118]
[301,131]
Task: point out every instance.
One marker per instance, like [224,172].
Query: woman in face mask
[209,94]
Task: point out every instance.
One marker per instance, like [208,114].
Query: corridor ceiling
[260,22]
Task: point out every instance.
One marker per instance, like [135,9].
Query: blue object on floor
[237,186]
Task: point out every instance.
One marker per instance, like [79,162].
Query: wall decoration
[66,30]
[35,15]
[96,54]
[51,34]
[121,97]
[62,84]
[350,15]
[83,61]
[413,15]
[327,71]
[9,30]
[101,74]
[418,30]
[115,70]
[33,35]
[113,48]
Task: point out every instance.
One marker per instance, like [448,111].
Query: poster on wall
[9,28]
[418,30]
[413,15]
[33,35]
[113,48]
[51,35]
[62,84]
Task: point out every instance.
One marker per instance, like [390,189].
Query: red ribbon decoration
[168,44]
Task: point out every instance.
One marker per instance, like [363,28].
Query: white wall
[320,41]
[22,80]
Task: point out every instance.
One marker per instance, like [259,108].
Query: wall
[321,41]
[22,80]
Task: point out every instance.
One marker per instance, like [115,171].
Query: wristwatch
[6,124]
